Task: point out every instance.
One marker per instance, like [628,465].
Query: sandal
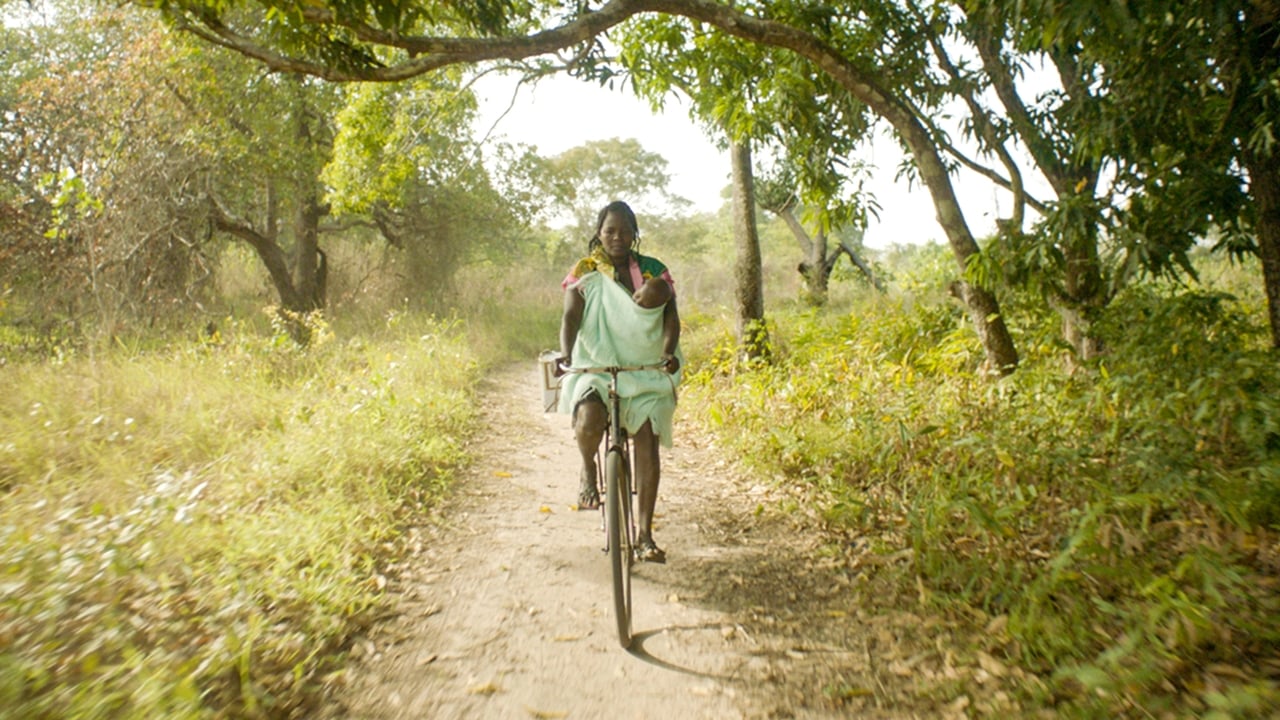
[588,495]
[648,551]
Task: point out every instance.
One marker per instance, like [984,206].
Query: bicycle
[618,508]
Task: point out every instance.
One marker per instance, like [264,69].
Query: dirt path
[505,611]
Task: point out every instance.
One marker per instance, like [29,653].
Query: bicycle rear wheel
[617,520]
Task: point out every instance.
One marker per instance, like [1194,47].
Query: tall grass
[199,530]
[1121,518]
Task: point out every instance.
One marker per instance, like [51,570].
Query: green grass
[1120,516]
[199,530]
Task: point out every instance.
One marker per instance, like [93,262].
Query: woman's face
[616,235]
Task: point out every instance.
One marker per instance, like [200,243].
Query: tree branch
[1040,147]
[986,130]
[425,53]
[1021,197]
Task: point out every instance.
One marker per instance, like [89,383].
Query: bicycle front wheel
[617,520]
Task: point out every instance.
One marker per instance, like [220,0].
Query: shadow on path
[639,652]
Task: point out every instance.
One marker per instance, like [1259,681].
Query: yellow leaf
[544,509]
[501,474]
[1005,458]
[485,689]
[547,714]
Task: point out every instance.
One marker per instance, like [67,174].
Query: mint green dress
[617,331]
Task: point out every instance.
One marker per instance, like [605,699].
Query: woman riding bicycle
[620,309]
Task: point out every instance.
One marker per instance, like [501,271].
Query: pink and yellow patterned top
[640,268]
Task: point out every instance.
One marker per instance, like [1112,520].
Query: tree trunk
[753,338]
[310,261]
[311,209]
[816,267]
[272,257]
[984,310]
[1264,184]
[1085,296]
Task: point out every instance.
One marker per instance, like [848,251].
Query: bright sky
[560,113]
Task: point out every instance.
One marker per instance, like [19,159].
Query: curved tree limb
[269,252]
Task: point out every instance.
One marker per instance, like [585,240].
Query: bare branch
[1002,81]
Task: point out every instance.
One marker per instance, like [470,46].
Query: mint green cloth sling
[617,331]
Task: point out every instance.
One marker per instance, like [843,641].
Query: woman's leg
[648,473]
[590,420]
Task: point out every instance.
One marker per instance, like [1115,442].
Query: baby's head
[655,292]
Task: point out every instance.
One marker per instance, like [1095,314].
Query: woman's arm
[570,322]
[671,334]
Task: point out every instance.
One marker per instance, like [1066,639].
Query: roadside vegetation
[1109,527]
[202,523]
[200,526]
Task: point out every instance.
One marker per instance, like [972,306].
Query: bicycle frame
[617,510]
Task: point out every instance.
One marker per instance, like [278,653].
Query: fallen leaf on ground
[501,474]
[485,689]
[991,665]
[428,660]
[547,714]
[544,509]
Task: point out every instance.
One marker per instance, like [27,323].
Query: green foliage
[800,117]
[392,138]
[404,157]
[1118,518]
[180,534]
[584,179]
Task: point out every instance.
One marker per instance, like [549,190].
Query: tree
[584,179]
[1190,130]
[776,196]
[404,160]
[138,152]
[339,43]
[97,182]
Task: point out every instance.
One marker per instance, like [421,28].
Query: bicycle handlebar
[612,369]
